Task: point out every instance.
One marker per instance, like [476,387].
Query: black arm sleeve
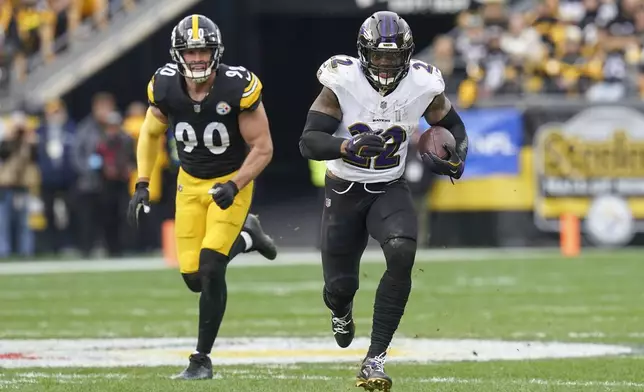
[5,149]
[9,147]
[317,141]
[453,123]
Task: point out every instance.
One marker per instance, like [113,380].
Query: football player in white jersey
[361,125]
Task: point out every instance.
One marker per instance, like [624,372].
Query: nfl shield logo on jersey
[197,108]
[223,108]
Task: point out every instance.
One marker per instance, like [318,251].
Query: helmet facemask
[197,71]
[385,65]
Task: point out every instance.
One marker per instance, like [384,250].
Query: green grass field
[459,315]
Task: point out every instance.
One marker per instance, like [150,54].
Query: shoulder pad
[338,71]
[427,77]
[248,86]
[158,85]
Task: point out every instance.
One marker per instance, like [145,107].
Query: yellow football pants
[200,223]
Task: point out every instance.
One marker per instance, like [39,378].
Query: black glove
[452,167]
[367,145]
[224,194]
[140,198]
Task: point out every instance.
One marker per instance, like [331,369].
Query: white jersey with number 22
[396,116]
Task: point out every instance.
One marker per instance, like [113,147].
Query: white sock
[197,352]
[247,239]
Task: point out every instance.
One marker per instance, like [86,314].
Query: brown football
[433,139]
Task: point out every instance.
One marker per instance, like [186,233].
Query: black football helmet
[385,47]
[196,32]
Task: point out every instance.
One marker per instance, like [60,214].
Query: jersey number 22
[389,158]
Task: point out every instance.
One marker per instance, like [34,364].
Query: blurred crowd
[65,186]
[35,31]
[591,49]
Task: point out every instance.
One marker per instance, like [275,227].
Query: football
[433,139]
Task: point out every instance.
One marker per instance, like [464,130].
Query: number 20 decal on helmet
[385,47]
[196,47]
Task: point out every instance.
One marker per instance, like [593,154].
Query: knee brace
[400,254]
[211,263]
[193,281]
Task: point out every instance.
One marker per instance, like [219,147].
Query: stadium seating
[586,49]
[36,31]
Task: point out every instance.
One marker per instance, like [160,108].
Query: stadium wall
[533,162]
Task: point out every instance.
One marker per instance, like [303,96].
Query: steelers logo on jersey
[223,108]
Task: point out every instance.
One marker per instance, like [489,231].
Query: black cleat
[344,329]
[200,368]
[262,243]
[372,376]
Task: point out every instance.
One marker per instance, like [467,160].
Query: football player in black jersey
[216,114]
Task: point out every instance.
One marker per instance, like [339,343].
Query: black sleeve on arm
[317,141]
[453,123]
[5,149]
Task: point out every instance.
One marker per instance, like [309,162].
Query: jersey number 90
[216,144]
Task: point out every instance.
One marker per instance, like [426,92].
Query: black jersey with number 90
[209,143]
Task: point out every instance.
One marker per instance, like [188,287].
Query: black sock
[238,247]
[339,305]
[212,302]
[388,309]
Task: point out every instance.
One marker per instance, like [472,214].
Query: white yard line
[290,257]
[286,258]
[622,384]
[534,381]
[73,353]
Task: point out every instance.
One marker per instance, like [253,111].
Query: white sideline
[285,258]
